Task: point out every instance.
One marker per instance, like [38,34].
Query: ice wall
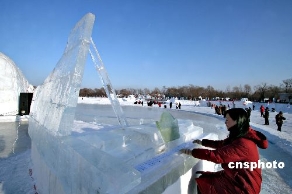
[12,83]
[57,97]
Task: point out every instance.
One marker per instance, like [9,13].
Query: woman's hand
[197,141]
[186,151]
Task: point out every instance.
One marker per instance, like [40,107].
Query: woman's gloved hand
[198,141]
[186,151]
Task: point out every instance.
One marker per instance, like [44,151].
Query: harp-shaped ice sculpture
[128,159]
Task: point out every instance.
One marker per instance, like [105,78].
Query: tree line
[192,92]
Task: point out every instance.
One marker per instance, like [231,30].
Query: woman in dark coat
[240,146]
[266,116]
[279,120]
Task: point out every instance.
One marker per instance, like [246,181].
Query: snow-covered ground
[16,175]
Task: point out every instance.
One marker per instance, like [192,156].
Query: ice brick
[168,127]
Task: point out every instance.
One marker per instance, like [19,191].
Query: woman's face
[229,122]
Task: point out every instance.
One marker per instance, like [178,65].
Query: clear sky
[156,43]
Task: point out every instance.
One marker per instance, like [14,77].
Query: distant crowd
[159,103]
[221,110]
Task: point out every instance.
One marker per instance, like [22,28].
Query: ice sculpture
[63,163]
[12,83]
[122,159]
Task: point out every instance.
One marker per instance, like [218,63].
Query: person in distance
[279,120]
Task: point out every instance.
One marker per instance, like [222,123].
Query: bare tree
[247,90]
[228,90]
[195,91]
[140,91]
[183,91]
[192,92]
[156,93]
[236,92]
[273,92]
[287,85]
[261,90]
[210,92]
[171,92]
[84,92]
[146,91]
[125,92]
[99,92]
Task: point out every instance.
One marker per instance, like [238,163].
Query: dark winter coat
[279,119]
[266,115]
[243,149]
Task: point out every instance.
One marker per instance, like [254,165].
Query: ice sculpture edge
[57,97]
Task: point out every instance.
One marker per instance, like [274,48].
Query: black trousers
[267,121]
[279,127]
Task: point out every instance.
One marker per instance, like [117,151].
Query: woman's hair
[242,123]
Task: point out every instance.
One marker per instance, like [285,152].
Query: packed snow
[16,174]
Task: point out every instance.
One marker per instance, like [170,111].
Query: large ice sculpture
[120,159]
[12,83]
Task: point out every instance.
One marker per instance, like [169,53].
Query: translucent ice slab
[168,127]
[75,166]
[110,92]
[54,101]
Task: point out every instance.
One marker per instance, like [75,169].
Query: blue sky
[156,43]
